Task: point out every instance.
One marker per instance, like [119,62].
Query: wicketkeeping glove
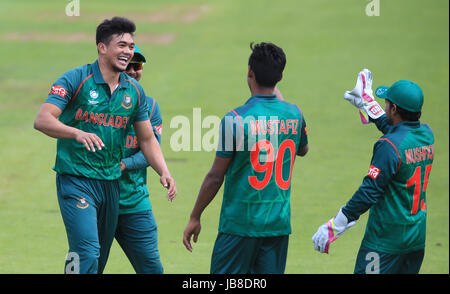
[362,97]
[330,231]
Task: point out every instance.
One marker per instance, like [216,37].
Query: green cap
[404,93]
[138,56]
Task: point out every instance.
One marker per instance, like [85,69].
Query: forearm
[48,124]
[361,201]
[153,155]
[210,186]
[136,161]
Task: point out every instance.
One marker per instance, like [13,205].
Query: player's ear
[250,73]
[101,48]
[394,107]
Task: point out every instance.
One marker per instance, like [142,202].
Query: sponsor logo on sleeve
[374,172]
[58,90]
[159,129]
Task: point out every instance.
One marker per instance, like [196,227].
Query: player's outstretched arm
[47,122]
[154,156]
[210,186]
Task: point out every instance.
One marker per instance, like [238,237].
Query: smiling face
[118,52]
[134,70]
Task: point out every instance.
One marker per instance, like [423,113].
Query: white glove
[330,231]
[362,97]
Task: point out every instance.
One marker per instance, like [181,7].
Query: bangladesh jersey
[87,104]
[263,137]
[395,188]
[134,196]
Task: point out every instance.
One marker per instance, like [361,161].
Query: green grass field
[198,52]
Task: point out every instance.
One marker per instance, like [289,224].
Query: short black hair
[116,25]
[267,61]
[407,115]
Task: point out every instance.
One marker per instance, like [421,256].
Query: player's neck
[258,90]
[110,76]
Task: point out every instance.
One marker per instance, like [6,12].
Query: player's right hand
[362,97]
[330,231]
[169,183]
[193,228]
[89,140]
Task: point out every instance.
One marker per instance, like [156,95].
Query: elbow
[302,152]
[37,124]
[215,179]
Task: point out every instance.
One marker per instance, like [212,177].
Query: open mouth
[123,60]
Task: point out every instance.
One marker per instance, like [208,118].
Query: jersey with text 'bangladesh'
[134,195]
[395,188]
[87,104]
[263,137]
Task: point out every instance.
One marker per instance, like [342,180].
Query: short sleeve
[64,89]
[155,117]
[303,133]
[142,109]
[227,137]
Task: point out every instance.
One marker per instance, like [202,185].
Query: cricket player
[394,188]
[136,229]
[90,110]
[257,148]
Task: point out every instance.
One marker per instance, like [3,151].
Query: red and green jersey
[263,137]
[395,188]
[87,104]
[134,195]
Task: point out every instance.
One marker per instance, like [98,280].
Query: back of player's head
[116,25]
[267,61]
[407,115]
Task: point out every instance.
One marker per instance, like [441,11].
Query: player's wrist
[195,217]
[340,219]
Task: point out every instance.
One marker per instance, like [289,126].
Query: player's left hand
[122,166]
[330,231]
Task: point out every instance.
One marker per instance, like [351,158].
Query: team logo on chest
[126,102]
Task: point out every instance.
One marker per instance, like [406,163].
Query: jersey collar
[262,97]
[407,124]
[98,78]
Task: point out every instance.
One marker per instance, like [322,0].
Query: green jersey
[87,104]
[395,188]
[134,195]
[263,137]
